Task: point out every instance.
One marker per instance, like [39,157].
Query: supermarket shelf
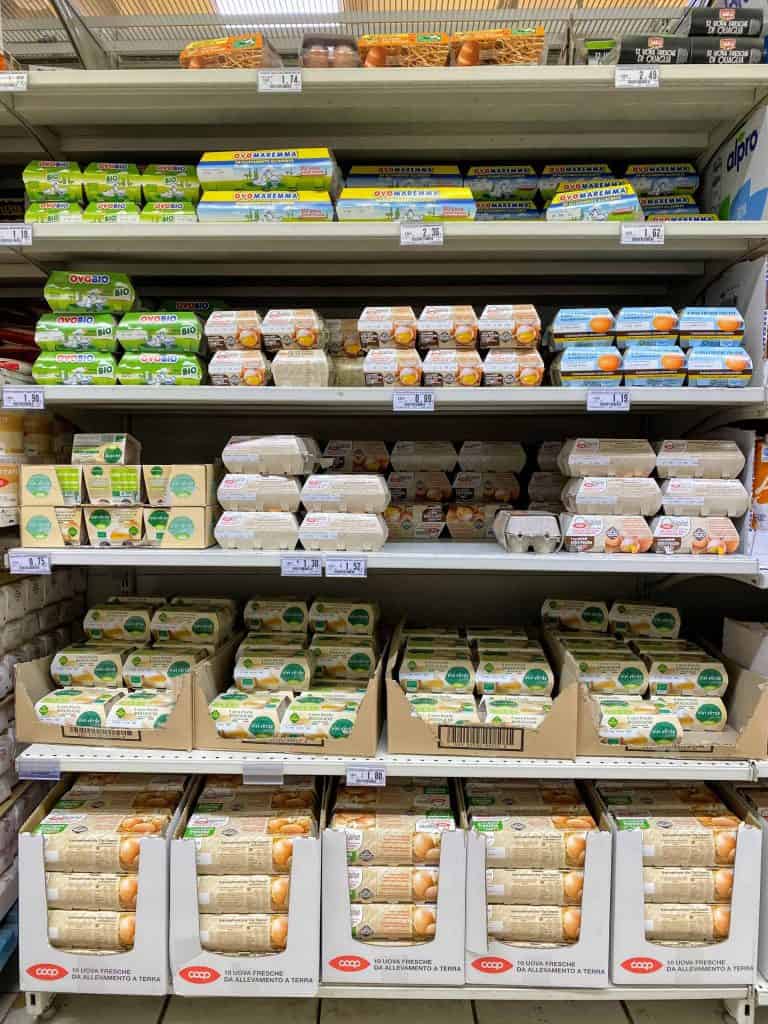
[407,112]
[48,761]
[425,556]
[356,250]
[352,401]
[552,994]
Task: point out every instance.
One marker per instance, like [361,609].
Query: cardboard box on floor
[362,741]
[582,964]
[745,735]
[735,800]
[141,971]
[350,961]
[409,734]
[197,972]
[33,682]
[636,961]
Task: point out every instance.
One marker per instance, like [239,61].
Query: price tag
[642,234]
[353,568]
[13,81]
[637,77]
[301,565]
[15,234]
[27,399]
[366,775]
[22,563]
[421,234]
[608,400]
[280,81]
[413,401]
[256,774]
[45,769]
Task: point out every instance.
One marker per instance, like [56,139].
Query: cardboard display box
[141,971]
[48,526]
[745,735]
[409,734]
[362,741]
[747,644]
[636,961]
[350,961]
[582,964]
[185,486]
[51,485]
[33,682]
[180,527]
[739,804]
[198,972]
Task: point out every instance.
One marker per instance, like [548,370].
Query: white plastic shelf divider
[459,112]
[42,758]
[352,401]
[360,250]
[553,994]
[761,991]
[424,556]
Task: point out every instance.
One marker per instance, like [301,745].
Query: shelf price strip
[336,566]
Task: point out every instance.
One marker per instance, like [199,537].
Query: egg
[305,337]
[721,922]
[664,322]
[609,362]
[526,334]
[424,921]
[728,323]
[530,378]
[279,889]
[724,883]
[352,347]
[469,54]
[731,545]
[432,494]
[376,57]
[469,378]
[424,885]
[404,335]
[725,847]
[575,850]
[571,923]
[409,377]
[128,889]
[250,339]
[345,57]
[736,363]
[278,931]
[573,885]
[316,57]
[672,361]
[126,929]
[423,846]
[465,335]
[601,324]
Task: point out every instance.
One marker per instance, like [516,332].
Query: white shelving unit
[41,760]
[418,557]
[610,994]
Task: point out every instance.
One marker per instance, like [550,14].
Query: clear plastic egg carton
[519,532]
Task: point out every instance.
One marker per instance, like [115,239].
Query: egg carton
[519,532]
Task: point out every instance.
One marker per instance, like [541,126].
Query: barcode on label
[96,733]
[482,737]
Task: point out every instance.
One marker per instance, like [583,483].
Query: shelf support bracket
[90,52]
[742,1011]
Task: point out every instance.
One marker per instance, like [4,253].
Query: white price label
[421,234]
[637,77]
[301,565]
[355,568]
[413,401]
[642,234]
[256,774]
[608,400]
[366,775]
[41,769]
[280,81]
[12,233]
[23,563]
[31,399]
[13,81]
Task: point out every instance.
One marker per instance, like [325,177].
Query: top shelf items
[413,112]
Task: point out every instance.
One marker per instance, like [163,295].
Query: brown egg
[728,323]
[424,921]
[664,322]
[279,890]
[469,54]
[571,923]
[424,885]
[724,883]
[721,922]
[573,884]
[129,853]
[736,363]
[316,57]
[345,57]
[127,891]
[575,850]
[376,57]
[278,931]
[725,847]
[423,844]
[601,324]
[672,361]
[609,362]
[126,930]
[282,852]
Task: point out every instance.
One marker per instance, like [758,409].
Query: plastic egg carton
[519,532]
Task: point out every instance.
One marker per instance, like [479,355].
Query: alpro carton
[736,180]
[189,486]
